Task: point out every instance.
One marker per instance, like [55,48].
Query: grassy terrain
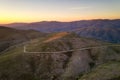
[92,64]
[107,71]
[9,36]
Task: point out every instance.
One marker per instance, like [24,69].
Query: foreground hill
[58,57]
[9,36]
[106,30]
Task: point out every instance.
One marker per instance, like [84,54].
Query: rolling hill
[109,30]
[69,57]
[102,33]
[9,36]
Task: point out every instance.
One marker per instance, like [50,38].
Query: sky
[57,10]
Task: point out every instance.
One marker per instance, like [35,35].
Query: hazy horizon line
[58,21]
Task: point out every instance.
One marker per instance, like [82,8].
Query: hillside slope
[102,33]
[103,29]
[107,71]
[69,65]
[9,36]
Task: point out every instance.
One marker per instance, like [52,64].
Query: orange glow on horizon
[25,20]
[27,11]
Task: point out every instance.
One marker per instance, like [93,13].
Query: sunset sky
[57,10]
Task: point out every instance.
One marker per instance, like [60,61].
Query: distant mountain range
[103,29]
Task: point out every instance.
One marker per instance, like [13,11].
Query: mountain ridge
[103,29]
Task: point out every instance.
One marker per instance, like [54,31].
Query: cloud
[79,8]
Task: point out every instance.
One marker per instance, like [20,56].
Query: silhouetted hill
[112,35]
[15,24]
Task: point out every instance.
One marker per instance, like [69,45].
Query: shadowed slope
[9,36]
